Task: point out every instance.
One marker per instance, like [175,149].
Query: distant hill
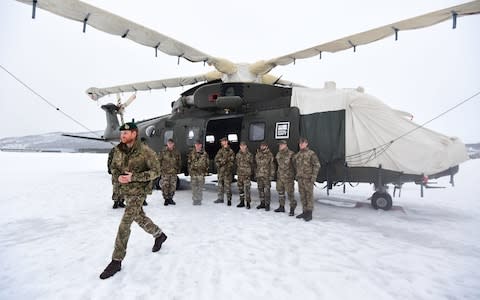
[55,142]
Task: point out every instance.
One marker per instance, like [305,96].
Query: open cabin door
[218,128]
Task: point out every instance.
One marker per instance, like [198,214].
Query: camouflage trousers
[115,189]
[285,184]
[305,187]
[197,182]
[133,212]
[169,185]
[244,184]
[224,186]
[264,185]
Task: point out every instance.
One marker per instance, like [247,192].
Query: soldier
[224,161]
[244,161]
[134,165]
[307,167]
[264,172]
[170,162]
[117,199]
[285,177]
[198,169]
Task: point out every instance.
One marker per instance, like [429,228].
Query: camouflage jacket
[110,158]
[170,162]
[244,162]
[141,161]
[224,160]
[197,163]
[306,164]
[285,163]
[265,166]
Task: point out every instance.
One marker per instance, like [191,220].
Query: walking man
[170,163]
[307,167]
[224,161]
[134,165]
[264,172]
[198,169]
[244,161]
[285,177]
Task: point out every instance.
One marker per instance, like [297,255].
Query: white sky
[426,72]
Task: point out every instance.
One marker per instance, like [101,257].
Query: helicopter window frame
[192,134]
[256,131]
[168,134]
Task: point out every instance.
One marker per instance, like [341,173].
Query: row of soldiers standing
[303,165]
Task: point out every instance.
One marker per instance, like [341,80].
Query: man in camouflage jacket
[307,166]
[264,172]
[285,177]
[116,197]
[134,165]
[224,161]
[197,168]
[170,164]
[244,162]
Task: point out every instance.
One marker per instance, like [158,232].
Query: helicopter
[245,102]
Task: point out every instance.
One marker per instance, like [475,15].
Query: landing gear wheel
[381,201]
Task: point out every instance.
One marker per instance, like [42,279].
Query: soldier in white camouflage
[306,166]
[285,177]
[244,162]
[264,173]
[224,160]
[170,163]
[198,169]
[134,165]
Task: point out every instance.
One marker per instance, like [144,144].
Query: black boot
[281,208]
[248,205]
[145,202]
[218,201]
[158,242]
[292,211]
[171,202]
[262,205]
[115,204]
[229,202]
[113,267]
[241,204]
[166,202]
[300,216]
[121,203]
[267,207]
[308,216]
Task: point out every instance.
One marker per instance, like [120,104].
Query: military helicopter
[356,136]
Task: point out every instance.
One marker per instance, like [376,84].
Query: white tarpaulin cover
[371,126]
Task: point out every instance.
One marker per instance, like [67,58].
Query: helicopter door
[219,128]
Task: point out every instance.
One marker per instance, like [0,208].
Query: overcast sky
[425,72]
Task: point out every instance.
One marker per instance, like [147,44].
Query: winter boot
[166,202]
[121,203]
[113,267]
[158,242]
[308,216]
[262,205]
[301,216]
[218,201]
[241,204]
[197,202]
[281,208]
[145,202]
[267,207]
[292,211]
[115,204]
[171,202]
[248,205]
[229,202]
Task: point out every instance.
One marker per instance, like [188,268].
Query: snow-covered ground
[58,228]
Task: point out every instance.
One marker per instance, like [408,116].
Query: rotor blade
[366,37]
[96,93]
[116,25]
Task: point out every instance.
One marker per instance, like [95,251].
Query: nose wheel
[381,200]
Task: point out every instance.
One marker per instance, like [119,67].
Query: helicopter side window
[256,131]
[167,135]
[192,134]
